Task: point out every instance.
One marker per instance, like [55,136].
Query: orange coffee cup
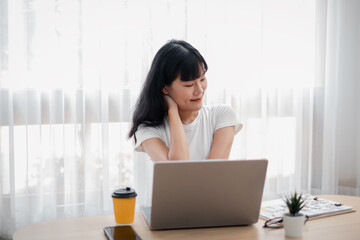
[124,205]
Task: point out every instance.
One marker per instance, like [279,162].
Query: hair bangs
[192,67]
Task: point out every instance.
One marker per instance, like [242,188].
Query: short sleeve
[143,133]
[225,117]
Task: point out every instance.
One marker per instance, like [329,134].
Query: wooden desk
[344,226]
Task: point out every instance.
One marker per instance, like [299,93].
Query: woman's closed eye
[190,85]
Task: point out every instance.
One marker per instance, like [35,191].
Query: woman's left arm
[222,143]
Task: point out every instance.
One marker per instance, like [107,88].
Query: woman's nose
[198,88]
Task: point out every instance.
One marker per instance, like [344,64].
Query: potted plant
[294,220]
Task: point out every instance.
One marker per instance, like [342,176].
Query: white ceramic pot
[293,224]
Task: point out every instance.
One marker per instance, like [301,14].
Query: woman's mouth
[196,100]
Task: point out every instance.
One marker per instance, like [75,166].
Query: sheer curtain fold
[337,159]
[61,156]
[70,74]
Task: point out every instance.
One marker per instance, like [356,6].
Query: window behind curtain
[71,71]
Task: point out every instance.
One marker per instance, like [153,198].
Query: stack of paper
[315,207]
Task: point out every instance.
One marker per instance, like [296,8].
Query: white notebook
[315,207]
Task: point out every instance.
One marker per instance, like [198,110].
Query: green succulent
[294,202]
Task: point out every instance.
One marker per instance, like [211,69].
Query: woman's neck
[188,117]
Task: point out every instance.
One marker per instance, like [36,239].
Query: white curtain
[336,137]
[70,73]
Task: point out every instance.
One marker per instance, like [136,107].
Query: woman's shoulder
[144,132]
[145,127]
[223,115]
[220,113]
[218,109]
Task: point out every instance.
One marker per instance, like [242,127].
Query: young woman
[170,121]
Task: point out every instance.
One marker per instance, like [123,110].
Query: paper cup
[124,205]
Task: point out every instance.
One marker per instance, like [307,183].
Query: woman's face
[187,95]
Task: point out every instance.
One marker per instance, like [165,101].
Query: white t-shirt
[199,133]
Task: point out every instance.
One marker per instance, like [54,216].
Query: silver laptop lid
[206,193]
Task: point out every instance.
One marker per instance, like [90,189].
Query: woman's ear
[164,90]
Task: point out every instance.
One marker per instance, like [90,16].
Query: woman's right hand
[170,102]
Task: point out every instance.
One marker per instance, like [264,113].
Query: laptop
[206,193]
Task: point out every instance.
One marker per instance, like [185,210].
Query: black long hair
[175,58]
